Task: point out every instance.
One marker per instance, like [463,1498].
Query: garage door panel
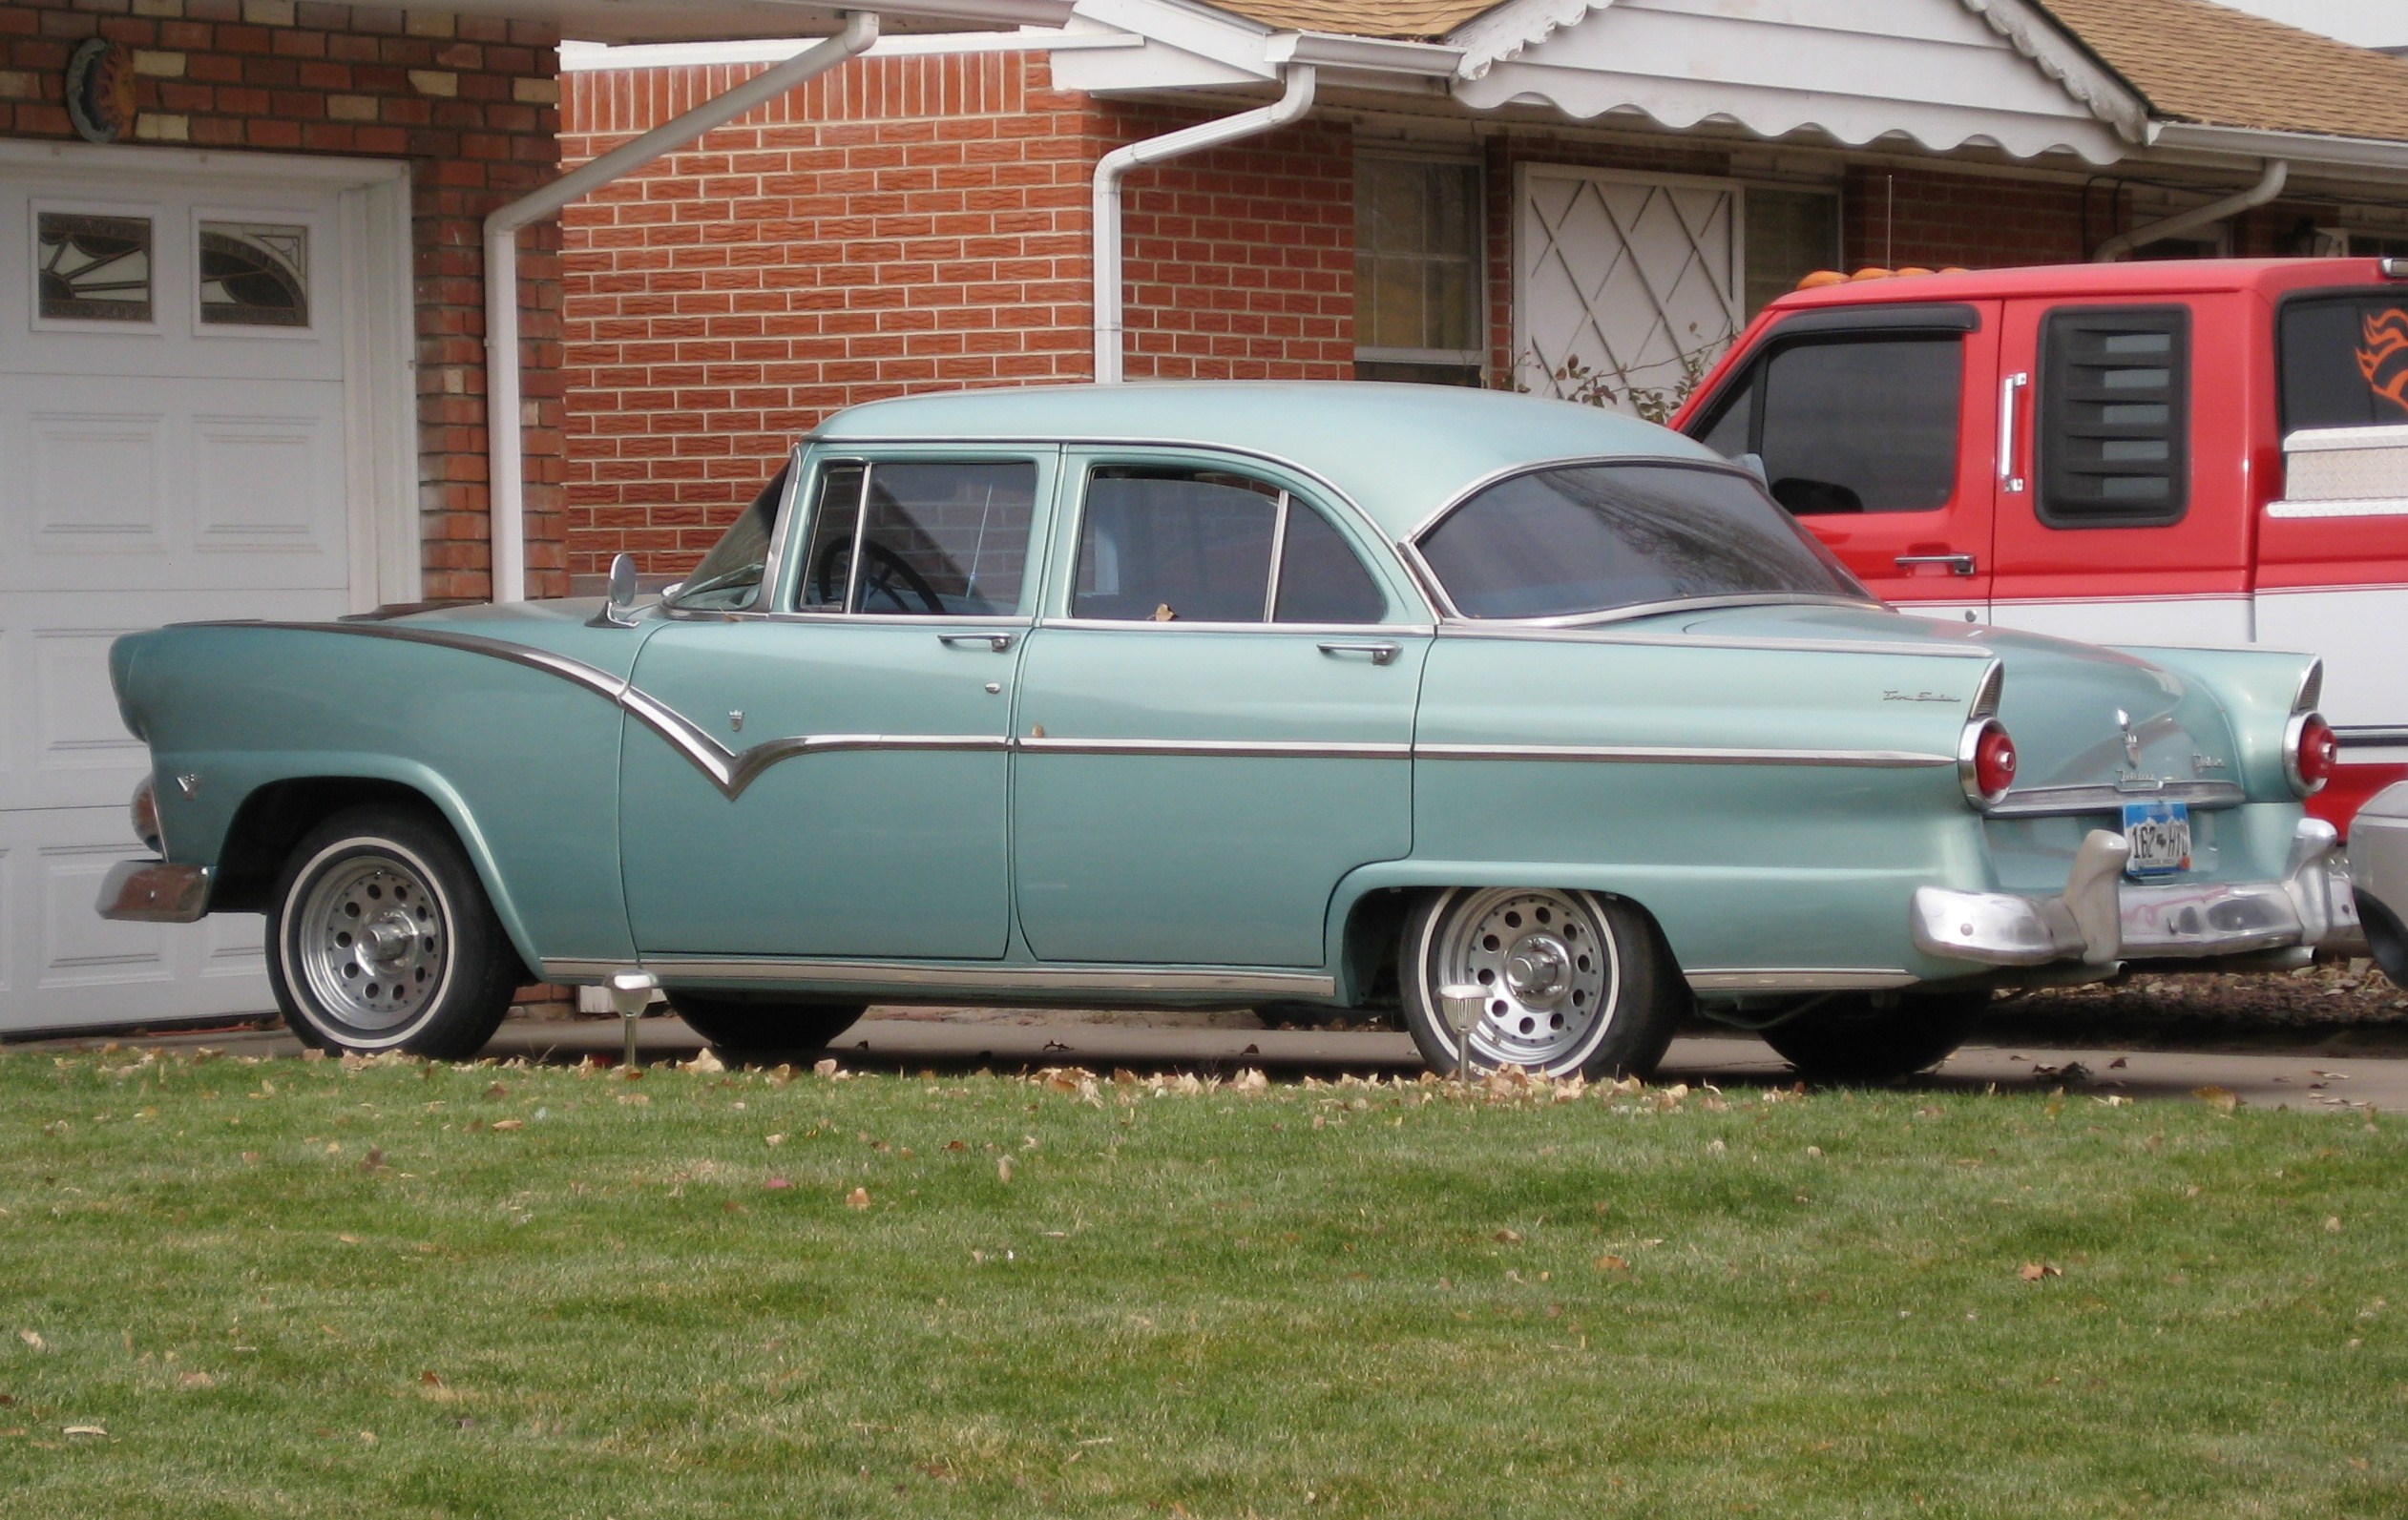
[62,965]
[120,499]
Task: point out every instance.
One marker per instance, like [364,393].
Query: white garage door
[188,429]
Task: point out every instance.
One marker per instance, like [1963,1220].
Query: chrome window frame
[1409,549]
[773,558]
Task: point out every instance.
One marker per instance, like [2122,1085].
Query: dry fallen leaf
[2034,1271]
[777,1183]
[84,1431]
[2223,1099]
[509,1124]
[1611,1264]
[1507,1238]
[348,1239]
[2333,1224]
[33,1339]
[773,1139]
[857,1198]
[196,1380]
[706,1062]
[1003,1170]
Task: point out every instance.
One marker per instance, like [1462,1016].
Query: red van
[2199,452]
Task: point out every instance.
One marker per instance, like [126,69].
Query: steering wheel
[884,574]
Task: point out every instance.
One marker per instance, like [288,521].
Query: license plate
[2160,836]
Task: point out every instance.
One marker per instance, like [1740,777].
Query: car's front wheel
[1571,983]
[1860,1037]
[743,1027]
[380,937]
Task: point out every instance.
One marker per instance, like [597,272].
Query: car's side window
[1854,424]
[1161,543]
[939,538]
[728,578]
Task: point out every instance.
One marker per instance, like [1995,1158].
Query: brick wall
[900,225]
[1932,219]
[469,101]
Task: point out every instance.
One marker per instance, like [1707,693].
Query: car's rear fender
[2257,690]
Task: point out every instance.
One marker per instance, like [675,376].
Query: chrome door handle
[2008,389]
[998,642]
[1381,653]
[1958,564]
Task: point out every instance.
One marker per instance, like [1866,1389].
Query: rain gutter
[2269,184]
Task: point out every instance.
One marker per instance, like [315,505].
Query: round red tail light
[2310,753]
[1986,761]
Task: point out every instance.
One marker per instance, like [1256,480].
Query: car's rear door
[1877,425]
[1215,719]
[858,713]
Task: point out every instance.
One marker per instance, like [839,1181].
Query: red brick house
[1555,194]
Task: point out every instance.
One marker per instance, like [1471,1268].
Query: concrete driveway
[968,1040]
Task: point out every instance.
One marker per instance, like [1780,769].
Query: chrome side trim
[1673,755]
[1591,635]
[1810,979]
[1266,749]
[917,976]
[2369,737]
[154,892]
[2057,802]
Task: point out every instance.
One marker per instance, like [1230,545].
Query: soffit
[725,20]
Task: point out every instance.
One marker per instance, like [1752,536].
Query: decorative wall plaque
[93,267]
[254,273]
[100,98]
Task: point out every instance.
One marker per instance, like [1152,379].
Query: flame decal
[2382,356]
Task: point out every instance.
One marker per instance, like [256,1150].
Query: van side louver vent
[2114,423]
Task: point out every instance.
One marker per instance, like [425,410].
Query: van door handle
[1381,653]
[998,642]
[1958,564]
[2008,389]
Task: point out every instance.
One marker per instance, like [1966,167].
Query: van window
[2344,360]
[1851,424]
[2112,435]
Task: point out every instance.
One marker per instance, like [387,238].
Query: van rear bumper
[2101,918]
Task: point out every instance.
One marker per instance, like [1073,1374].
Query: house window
[1418,307]
[2377,245]
[94,268]
[254,275]
[1791,234]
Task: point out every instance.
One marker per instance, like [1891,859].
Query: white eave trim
[1331,49]
[2302,148]
[583,57]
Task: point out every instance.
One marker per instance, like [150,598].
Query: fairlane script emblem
[1918,696]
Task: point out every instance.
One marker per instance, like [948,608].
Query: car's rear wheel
[1573,982]
[1857,1037]
[744,1027]
[380,937]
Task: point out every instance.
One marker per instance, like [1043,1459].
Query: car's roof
[2136,280]
[1399,451]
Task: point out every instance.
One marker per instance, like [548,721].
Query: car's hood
[2069,706]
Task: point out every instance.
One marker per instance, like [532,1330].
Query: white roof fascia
[1190,44]
[582,57]
[1945,73]
[721,20]
[2305,151]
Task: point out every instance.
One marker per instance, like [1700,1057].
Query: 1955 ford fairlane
[1526,718]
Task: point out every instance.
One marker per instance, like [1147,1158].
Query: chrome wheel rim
[1548,966]
[373,942]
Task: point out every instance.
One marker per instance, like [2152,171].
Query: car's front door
[1877,425]
[1215,720]
[842,791]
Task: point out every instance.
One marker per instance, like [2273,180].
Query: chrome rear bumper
[2101,918]
[154,892]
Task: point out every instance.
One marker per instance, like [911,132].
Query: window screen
[2112,435]
[1851,424]
[942,539]
[2344,360]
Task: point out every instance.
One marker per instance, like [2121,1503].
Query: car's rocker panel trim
[908,975]
[732,771]
[1799,979]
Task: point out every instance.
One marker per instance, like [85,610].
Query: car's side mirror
[619,609]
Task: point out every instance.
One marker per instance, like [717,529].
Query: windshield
[729,576]
[1595,538]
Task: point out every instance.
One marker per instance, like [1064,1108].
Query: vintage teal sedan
[1517,717]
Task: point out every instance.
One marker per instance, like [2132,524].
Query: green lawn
[289,1288]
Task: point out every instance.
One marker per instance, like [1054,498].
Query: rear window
[2344,360]
[1597,538]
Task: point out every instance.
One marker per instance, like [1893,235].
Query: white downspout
[2269,184]
[505,447]
[1293,103]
